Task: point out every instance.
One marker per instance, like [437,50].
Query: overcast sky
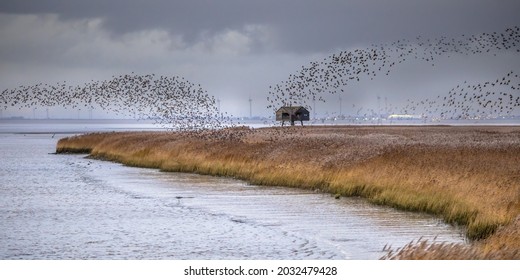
[235,48]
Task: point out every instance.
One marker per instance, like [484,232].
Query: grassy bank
[466,175]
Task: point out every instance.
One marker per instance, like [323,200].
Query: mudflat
[468,175]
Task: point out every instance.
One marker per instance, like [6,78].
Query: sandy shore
[466,175]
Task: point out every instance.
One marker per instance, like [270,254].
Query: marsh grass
[467,175]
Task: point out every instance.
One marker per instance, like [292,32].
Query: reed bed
[467,175]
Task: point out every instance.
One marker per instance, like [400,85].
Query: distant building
[404,117]
[292,114]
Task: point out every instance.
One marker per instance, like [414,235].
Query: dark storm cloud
[304,25]
[236,48]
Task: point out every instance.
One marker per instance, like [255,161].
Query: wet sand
[468,175]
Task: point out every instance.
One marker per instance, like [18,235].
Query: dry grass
[503,245]
[467,175]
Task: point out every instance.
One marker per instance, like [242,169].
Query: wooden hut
[292,114]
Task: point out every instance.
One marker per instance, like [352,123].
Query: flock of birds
[321,79]
[472,101]
[172,102]
[178,104]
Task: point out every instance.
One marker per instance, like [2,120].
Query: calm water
[69,207]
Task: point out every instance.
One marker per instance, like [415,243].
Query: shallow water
[70,207]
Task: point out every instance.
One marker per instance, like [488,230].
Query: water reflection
[70,207]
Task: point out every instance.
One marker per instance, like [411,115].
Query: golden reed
[466,175]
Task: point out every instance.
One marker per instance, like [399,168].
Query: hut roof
[291,109]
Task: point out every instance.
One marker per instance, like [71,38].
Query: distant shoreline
[468,175]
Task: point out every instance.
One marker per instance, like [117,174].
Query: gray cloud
[234,48]
[304,25]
